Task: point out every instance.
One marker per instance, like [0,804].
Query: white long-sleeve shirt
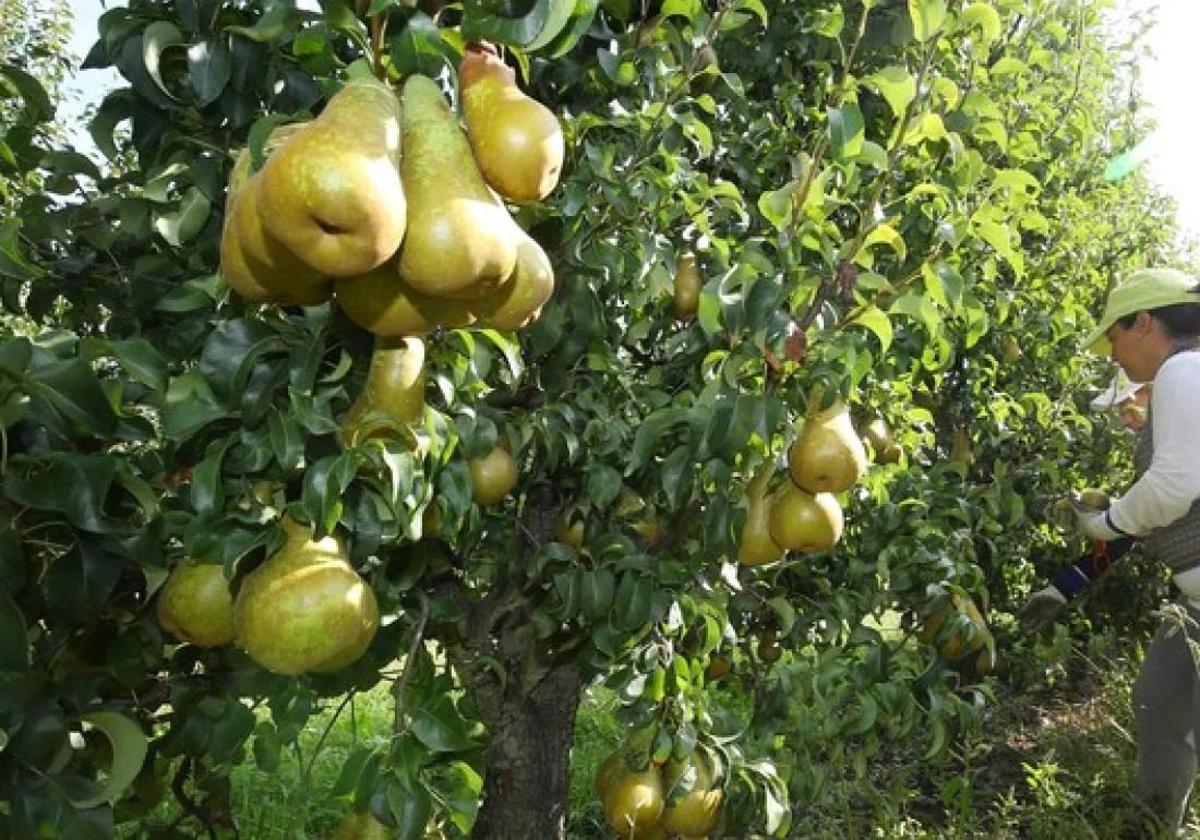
[1168,489]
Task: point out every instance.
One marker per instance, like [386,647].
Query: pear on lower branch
[755,546]
[195,605]
[332,193]
[305,609]
[802,521]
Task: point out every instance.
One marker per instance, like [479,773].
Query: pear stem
[378,32]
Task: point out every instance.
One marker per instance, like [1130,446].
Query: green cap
[1148,288]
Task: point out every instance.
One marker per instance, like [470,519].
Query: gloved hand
[1042,609]
[1094,523]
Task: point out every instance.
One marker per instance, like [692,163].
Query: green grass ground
[1053,763]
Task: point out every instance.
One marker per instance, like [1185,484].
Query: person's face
[1136,347]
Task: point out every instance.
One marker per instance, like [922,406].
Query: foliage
[881,194]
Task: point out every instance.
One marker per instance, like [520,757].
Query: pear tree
[502,353]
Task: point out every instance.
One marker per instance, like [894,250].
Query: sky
[1169,76]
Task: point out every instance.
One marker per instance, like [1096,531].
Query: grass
[1051,762]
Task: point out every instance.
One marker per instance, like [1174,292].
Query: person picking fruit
[1151,327]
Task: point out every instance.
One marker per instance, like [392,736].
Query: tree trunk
[526,790]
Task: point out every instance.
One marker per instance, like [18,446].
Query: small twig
[401,686]
[321,741]
[189,804]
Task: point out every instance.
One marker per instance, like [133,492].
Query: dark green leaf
[14,637]
[209,70]
[439,726]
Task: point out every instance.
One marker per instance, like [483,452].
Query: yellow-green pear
[958,639]
[195,605]
[461,242]
[883,444]
[305,609]
[288,279]
[332,193]
[517,140]
[755,546]
[493,476]
[362,825]
[828,456]
[802,521]
[689,280]
[394,394]
[693,812]
[383,304]
[518,302]
[961,452]
[635,802]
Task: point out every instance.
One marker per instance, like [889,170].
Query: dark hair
[1181,320]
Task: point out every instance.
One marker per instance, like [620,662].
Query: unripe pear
[957,640]
[461,242]
[384,305]
[518,302]
[305,609]
[195,605]
[517,141]
[494,476]
[635,802]
[362,825]
[394,393]
[332,193]
[755,546]
[689,280]
[802,521]
[828,456]
[696,811]
[883,445]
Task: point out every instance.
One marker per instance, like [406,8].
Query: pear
[956,640]
[828,456]
[635,802]
[394,394]
[461,242]
[688,282]
[519,301]
[802,521]
[493,476]
[960,449]
[332,193]
[195,605]
[693,812]
[1012,349]
[362,825]
[883,445]
[383,304]
[305,609]
[755,546]
[287,278]
[517,140]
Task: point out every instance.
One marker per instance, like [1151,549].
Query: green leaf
[209,70]
[142,362]
[66,162]
[596,590]
[603,485]
[483,22]
[324,484]
[66,395]
[191,405]
[440,727]
[74,485]
[277,17]
[38,107]
[410,806]
[129,745]
[14,635]
[183,223]
[682,8]
[556,22]
[846,133]
[927,17]
[877,321]
[157,37]
[896,85]
[207,489]
[776,205]
[828,22]
[267,747]
[985,18]
[887,235]
[114,109]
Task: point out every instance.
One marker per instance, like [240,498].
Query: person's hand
[1092,522]
[1042,609]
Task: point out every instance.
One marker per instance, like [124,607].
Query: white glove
[1094,523]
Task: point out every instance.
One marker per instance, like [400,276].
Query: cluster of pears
[803,514]
[386,204]
[304,610]
[956,627]
[649,799]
